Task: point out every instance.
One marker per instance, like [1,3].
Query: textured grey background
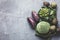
[13,22]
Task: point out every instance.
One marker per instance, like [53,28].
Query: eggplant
[32,22]
[35,16]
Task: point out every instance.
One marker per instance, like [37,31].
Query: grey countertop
[13,22]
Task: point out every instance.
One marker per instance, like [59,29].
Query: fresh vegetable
[53,4]
[43,12]
[53,27]
[45,21]
[54,21]
[43,27]
[46,3]
[35,16]
[32,22]
[47,14]
[53,12]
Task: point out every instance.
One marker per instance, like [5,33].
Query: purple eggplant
[35,16]
[32,22]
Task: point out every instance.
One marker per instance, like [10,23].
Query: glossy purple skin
[32,22]
[35,16]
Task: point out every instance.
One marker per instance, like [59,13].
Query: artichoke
[43,27]
[43,12]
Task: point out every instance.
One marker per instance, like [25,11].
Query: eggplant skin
[31,22]
[35,16]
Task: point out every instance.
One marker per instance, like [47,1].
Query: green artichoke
[43,27]
[43,12]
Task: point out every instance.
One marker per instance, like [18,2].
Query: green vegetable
[47,14]
[44,12]
[53,4]
[53,12]
[43,27]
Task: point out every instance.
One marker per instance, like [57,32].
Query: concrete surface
[13,22]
